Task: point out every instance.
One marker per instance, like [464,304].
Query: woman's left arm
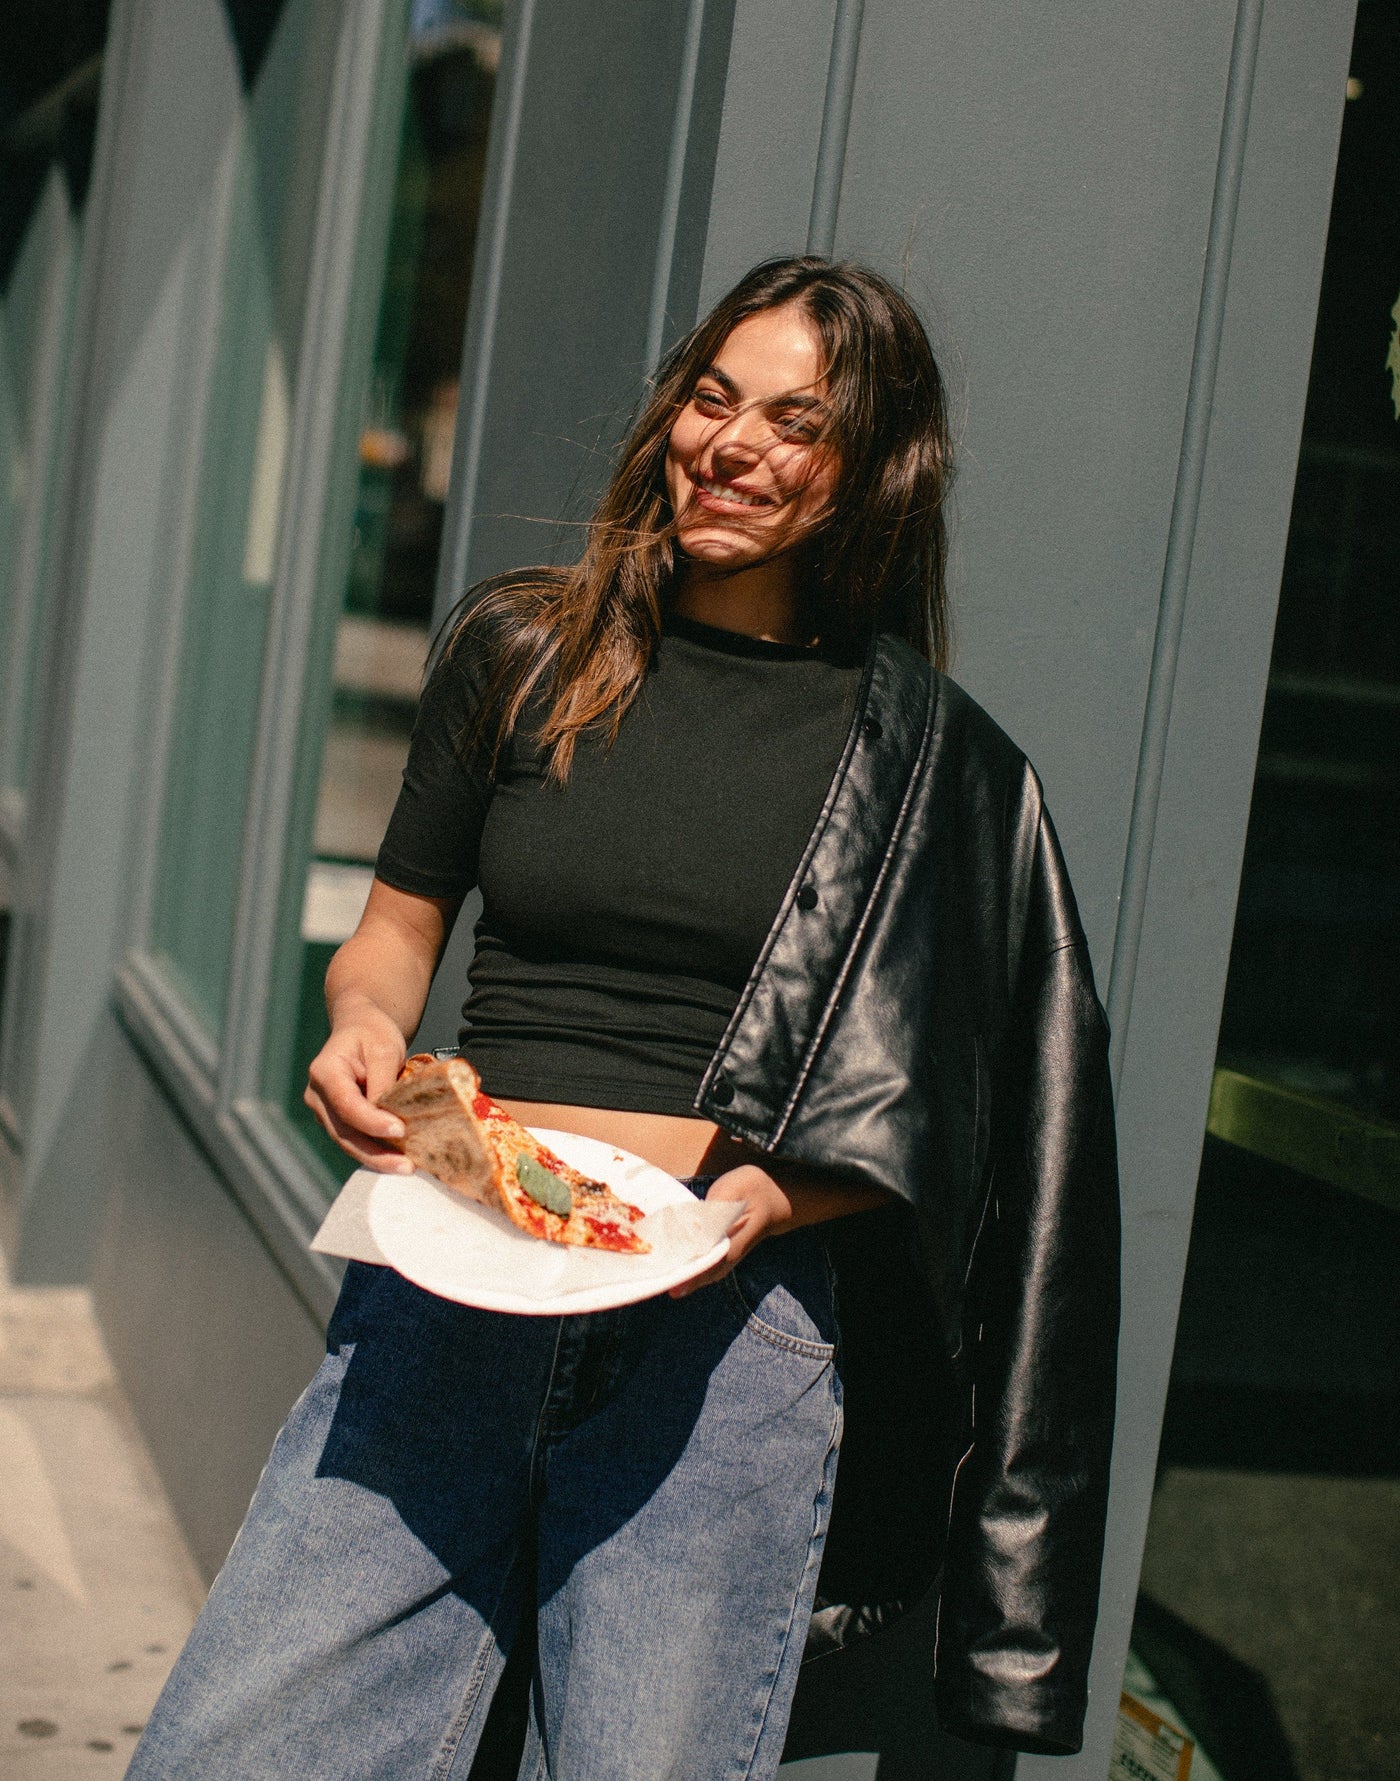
[781,1197]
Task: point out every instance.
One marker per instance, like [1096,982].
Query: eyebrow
[788,400]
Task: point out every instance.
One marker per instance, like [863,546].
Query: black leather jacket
[923,1016]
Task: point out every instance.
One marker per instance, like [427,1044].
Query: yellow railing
[1309,1133]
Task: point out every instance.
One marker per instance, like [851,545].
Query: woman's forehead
[775,352]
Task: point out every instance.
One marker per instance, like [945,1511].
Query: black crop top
[622,913]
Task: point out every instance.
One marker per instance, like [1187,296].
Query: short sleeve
[433,842]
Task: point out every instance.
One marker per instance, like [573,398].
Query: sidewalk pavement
[97,1588]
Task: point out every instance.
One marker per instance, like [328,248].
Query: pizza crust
[434,1099]
[461,1137]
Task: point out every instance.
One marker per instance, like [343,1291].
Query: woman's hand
[773,1206]
[768,1211]
[376,989]
[357,1064]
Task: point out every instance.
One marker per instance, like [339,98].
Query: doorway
[1268,1619]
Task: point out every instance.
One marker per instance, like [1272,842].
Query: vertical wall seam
[1181,535]
[836,124]
[453,568]
[675,181]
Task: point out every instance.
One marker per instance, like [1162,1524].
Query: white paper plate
[459,1250]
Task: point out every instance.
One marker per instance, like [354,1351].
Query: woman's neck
[763,601]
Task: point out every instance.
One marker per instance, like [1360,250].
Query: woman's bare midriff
[678,1145]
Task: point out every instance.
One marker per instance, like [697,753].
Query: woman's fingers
[383,1059]
[357,1143]
[347,1095]
[741,1240]
[743,1235]
[344,1081]
[718,1272]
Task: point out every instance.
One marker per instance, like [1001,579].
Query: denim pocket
[784,1292]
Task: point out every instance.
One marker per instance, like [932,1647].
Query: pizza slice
[464,1140]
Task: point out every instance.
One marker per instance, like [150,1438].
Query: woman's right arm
[376,989]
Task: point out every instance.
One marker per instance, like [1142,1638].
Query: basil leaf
[543,1186]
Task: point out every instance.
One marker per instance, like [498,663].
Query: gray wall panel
[1046,179]
[687,268]
[767,155]
[575,288]
[211,1342]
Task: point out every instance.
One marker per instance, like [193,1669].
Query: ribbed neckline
[737,643]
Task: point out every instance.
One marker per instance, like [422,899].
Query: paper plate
[473,1254]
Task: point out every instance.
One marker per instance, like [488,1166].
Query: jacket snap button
[807,897]
[872,730]
[721,1091]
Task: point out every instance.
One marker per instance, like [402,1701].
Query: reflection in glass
[1313,997]
[404,462]
[276,178]
[50,77]
[36,313]
[1272,1569]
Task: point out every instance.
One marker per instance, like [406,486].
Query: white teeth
[727,494]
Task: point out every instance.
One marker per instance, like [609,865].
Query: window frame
[216,1082]
[27,828]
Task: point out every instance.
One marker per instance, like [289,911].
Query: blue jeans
[658,1479]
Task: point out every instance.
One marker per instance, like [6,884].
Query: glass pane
[1267,1607]
[276,178]
[52,63]
[1313,997]
[401,477]
[36,312]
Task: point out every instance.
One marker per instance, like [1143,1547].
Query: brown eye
[800,428]
[710,400]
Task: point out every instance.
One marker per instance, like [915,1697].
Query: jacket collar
[757,1073]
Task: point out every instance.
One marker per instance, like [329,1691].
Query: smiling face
[748,473]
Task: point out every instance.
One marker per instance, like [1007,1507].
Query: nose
[743,438]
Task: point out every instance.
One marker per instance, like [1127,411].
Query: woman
[773,904]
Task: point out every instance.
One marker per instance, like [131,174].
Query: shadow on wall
[1288,1348]
[877,1696]
[1228,1705]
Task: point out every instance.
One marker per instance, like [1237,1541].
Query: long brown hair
[878,561]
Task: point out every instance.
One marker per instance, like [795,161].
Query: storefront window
[1271,1570]
[50,76]
[35,338]
[288,71]
[404,460]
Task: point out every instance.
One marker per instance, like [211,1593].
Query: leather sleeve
[1026,1529]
